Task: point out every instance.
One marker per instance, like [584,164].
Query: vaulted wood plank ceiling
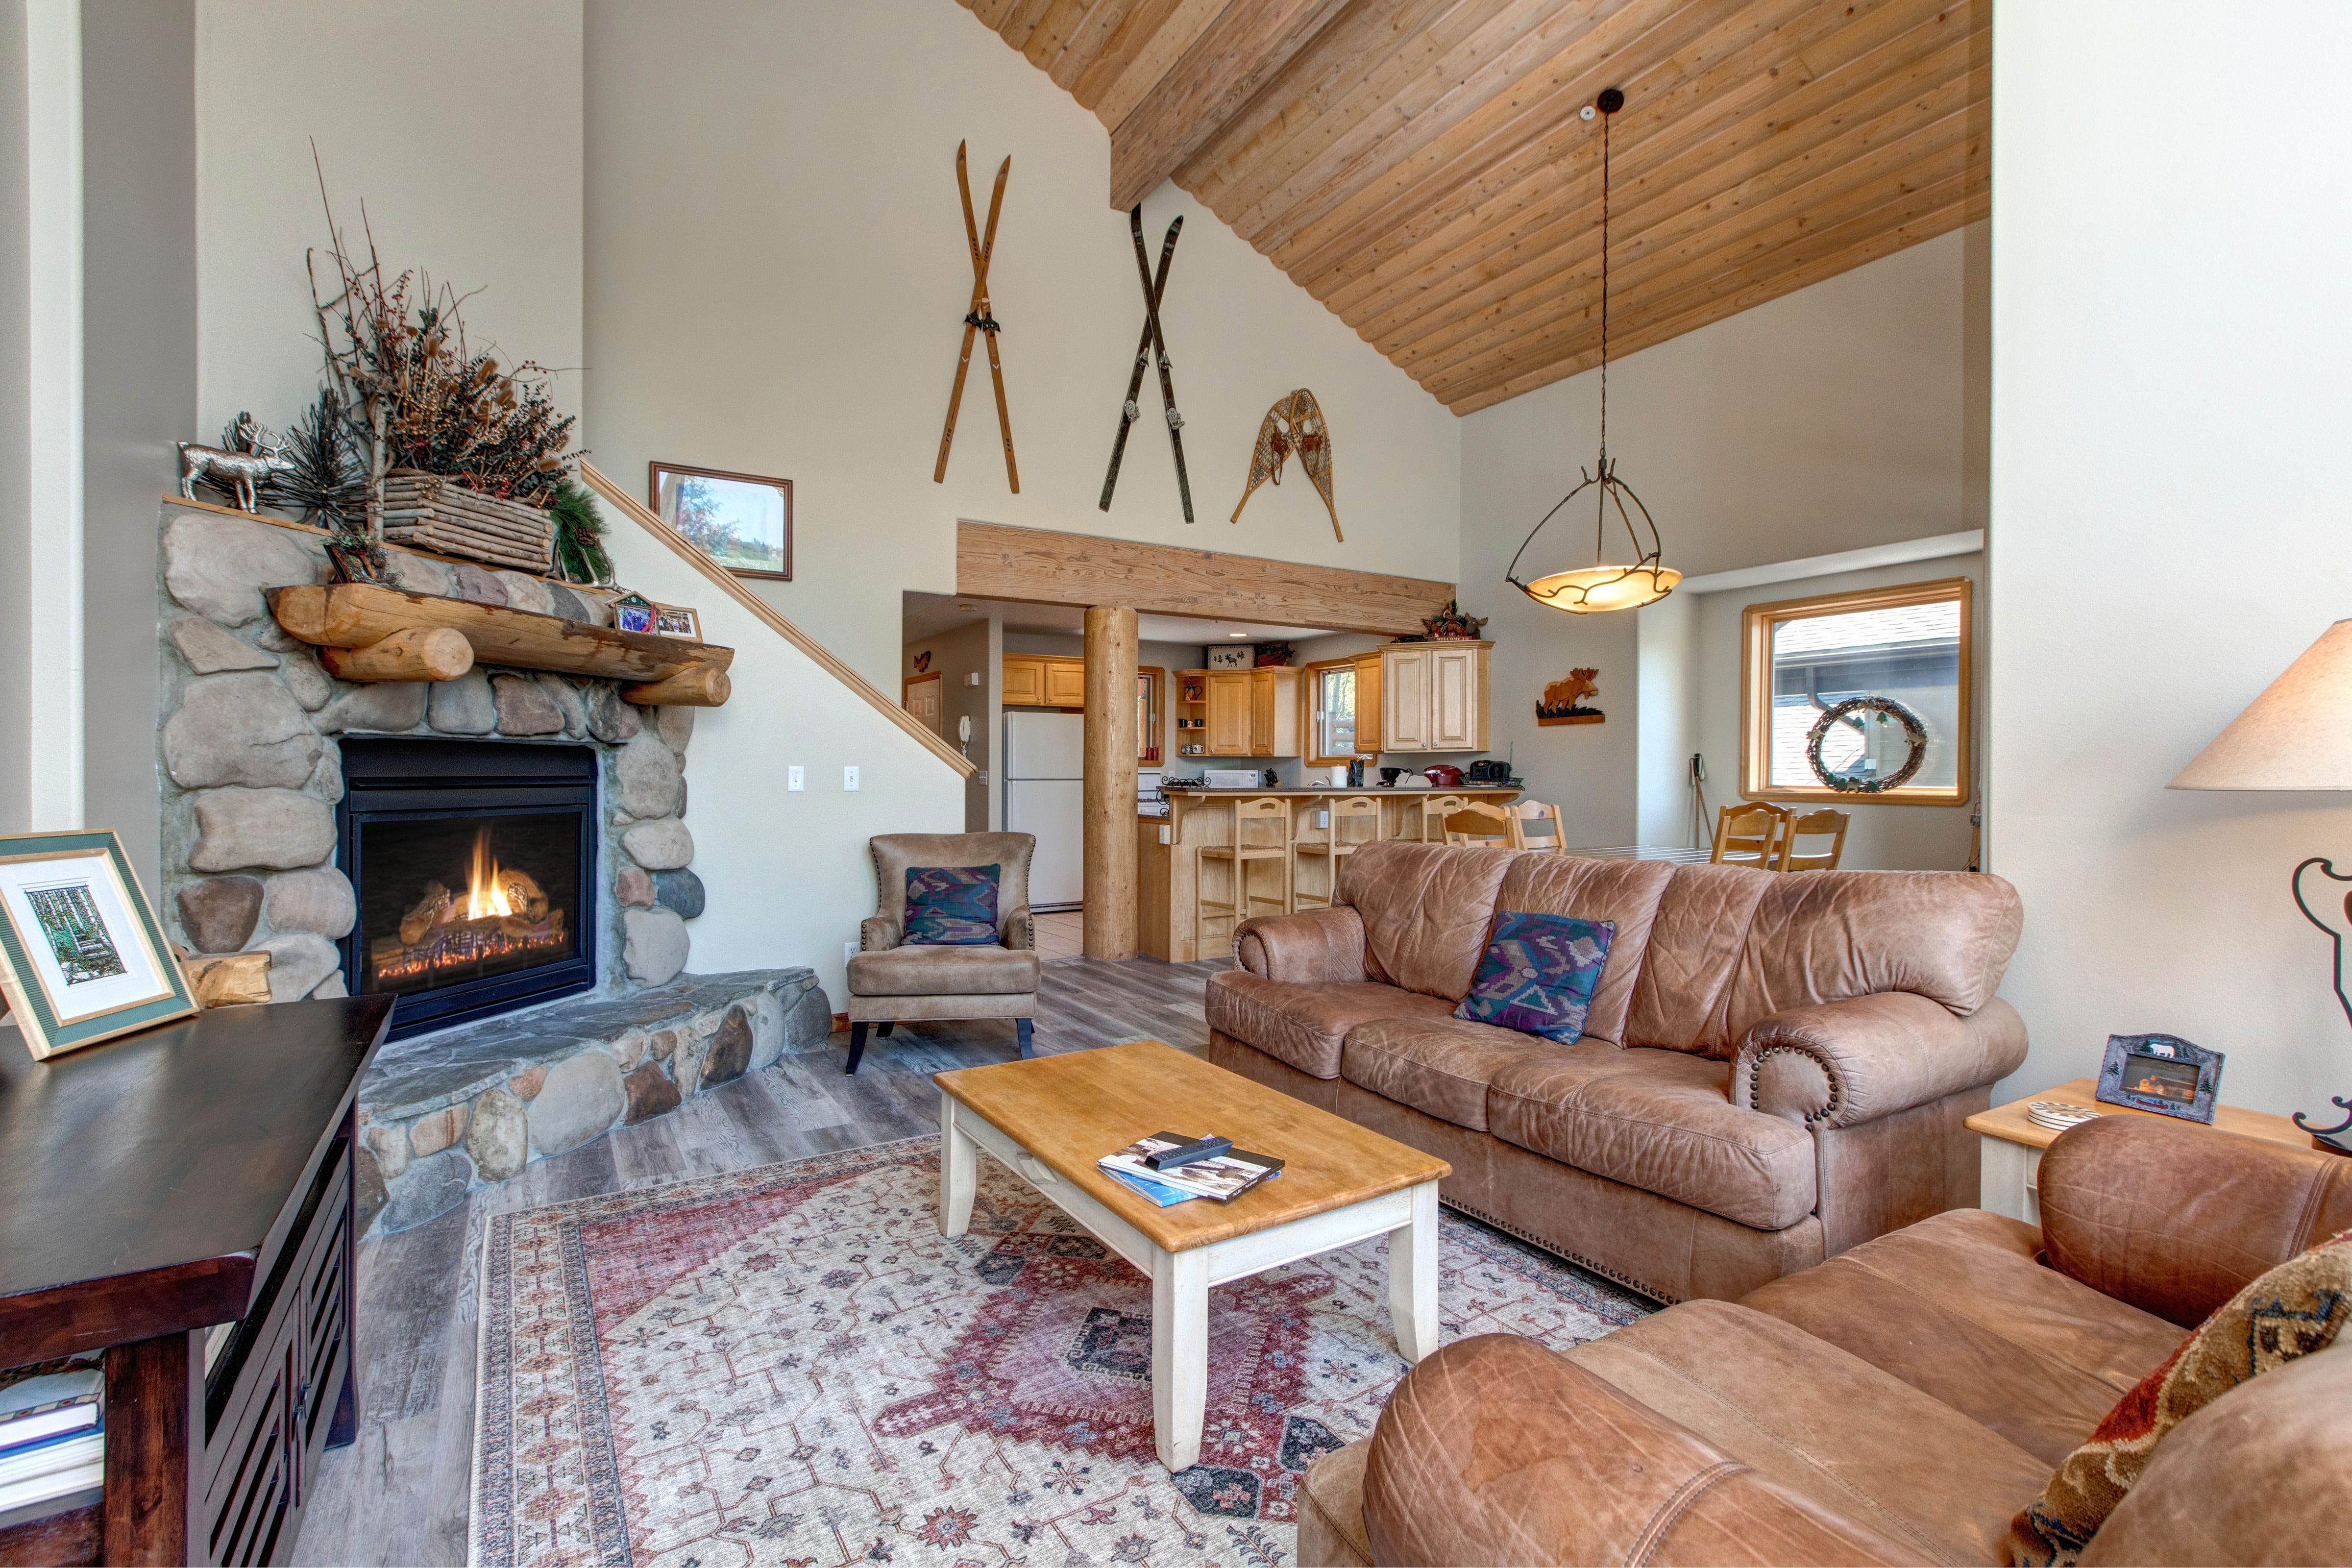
[1420,165]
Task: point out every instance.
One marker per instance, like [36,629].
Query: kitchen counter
[1371,789]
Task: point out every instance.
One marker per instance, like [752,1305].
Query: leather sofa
[1900,1402]
[893,982]
[1775,1067]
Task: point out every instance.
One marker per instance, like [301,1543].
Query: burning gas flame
[484,895]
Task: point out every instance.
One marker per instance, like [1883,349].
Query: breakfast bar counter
[1169,861]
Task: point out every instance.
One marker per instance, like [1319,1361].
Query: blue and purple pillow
[1537,974]
[950,906]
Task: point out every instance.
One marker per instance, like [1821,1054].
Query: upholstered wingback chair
[892,981]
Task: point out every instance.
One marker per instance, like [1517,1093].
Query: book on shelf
[45,1410]
[52,1435]
[72,1463]
[1224,1178]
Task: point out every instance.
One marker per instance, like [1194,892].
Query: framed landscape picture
[81,956]
[743,521]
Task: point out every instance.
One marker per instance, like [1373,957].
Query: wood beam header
[1039,566]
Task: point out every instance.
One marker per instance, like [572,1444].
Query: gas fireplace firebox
[474,867]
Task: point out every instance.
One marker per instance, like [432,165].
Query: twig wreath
[1884,710]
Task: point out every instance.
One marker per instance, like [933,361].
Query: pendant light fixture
[1603,586]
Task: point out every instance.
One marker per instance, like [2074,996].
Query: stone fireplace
[507,852]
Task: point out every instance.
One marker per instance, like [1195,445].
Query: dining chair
[1261,833]
[1341,838]
[1535,825]
[1435,809]
[1478,823]
[1827,823]
[1749,834]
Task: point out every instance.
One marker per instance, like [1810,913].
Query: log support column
[1110,784]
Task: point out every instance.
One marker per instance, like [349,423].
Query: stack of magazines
[52,1437]
[1224,1177]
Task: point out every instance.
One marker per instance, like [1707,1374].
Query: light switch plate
[849,778]
[794,778]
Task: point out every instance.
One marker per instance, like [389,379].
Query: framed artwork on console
[82,958]
[743,521]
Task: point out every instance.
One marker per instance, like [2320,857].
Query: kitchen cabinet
[1369,687]
[1273,713]
[1228,729]
[1044,680]
[1434,696]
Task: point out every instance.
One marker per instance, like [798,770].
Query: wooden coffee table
[1051,1119]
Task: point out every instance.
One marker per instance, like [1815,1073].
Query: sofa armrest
[1496,1450]
[1836,1064]
[1304,948]
[2176,1219]
[879,933]
[1019,930]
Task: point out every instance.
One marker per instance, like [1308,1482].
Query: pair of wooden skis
[1149,347]
[979,319]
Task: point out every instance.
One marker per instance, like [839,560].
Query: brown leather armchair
[891,982]
[1898,1404]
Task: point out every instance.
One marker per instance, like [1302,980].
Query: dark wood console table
[152,1187]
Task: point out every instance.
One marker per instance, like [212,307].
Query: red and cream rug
[792,1366]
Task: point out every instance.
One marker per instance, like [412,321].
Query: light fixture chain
[1605,118]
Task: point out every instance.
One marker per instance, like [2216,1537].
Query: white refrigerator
[1044,793]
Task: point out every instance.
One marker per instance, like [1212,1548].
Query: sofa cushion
[1442,1065]
[928,971]
[1425,908]
[1306,1025]
[1660,1120]
[1958,1306]
[1625,893]
[1693,950]
[1537,975]
[1835,1429]
[951,906]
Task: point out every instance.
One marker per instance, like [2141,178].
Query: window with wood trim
[1150,678]
[1912,647]
[1330,694]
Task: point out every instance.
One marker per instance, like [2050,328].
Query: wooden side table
[2009,1145]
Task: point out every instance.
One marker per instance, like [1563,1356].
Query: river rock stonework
[249,748]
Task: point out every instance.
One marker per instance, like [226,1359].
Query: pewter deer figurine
[235,471]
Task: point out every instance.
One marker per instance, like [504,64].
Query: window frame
[1154,731]
[1756,624]
[1311,693]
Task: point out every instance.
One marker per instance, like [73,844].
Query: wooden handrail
[726,582]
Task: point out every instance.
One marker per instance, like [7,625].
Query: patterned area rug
[792,1366]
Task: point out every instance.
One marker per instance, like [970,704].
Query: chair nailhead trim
[1837,1088]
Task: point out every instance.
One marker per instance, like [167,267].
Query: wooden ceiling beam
[1578,341]
[1664,137]
[1683,201]
[1182,27]
[1975,207]
[1240,51]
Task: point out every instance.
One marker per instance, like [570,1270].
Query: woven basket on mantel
[432,513]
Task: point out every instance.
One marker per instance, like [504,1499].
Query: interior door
[1404,698]
[1454,699]
[1229,713]
[923,700]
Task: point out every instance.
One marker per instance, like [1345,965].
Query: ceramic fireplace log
[355,617]
[418,653]
[705,685]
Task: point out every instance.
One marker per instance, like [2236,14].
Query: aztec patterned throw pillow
[953,906]
[2294,1311]
[1537,974]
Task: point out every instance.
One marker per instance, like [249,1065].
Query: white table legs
[958,1170]
[1413,1276]
[1179,1354]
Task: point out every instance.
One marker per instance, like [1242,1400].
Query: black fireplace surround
[474,865]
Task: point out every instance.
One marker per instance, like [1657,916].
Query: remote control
[1186,1154]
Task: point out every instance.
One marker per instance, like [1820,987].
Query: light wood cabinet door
[1066,683]
[1025,681]
[1273,713]
[1229,713]
[1367,703]
[1405,700]
[1456,700]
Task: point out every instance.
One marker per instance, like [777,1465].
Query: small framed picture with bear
[2162,1073]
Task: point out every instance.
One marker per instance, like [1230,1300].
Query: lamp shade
[2296,735]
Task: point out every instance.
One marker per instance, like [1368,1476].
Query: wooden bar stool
[1535,825]
[1478,823]
[1261,833]
[1827,823]
[1434,810]
[1338,841]
[1750,835]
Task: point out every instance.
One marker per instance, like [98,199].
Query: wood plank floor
[399,1494]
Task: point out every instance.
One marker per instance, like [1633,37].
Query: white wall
[2168,519]
[458,124]
[777,278]
[1842,415]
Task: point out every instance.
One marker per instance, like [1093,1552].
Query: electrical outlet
[795,779]
[848,951]
[849,778]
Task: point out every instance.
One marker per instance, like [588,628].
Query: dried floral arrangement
[1448,624]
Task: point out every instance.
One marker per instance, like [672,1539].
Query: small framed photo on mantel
[2160,1073]
[82,958]
[743,521]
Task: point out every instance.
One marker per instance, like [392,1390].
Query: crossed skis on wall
[1150,346]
